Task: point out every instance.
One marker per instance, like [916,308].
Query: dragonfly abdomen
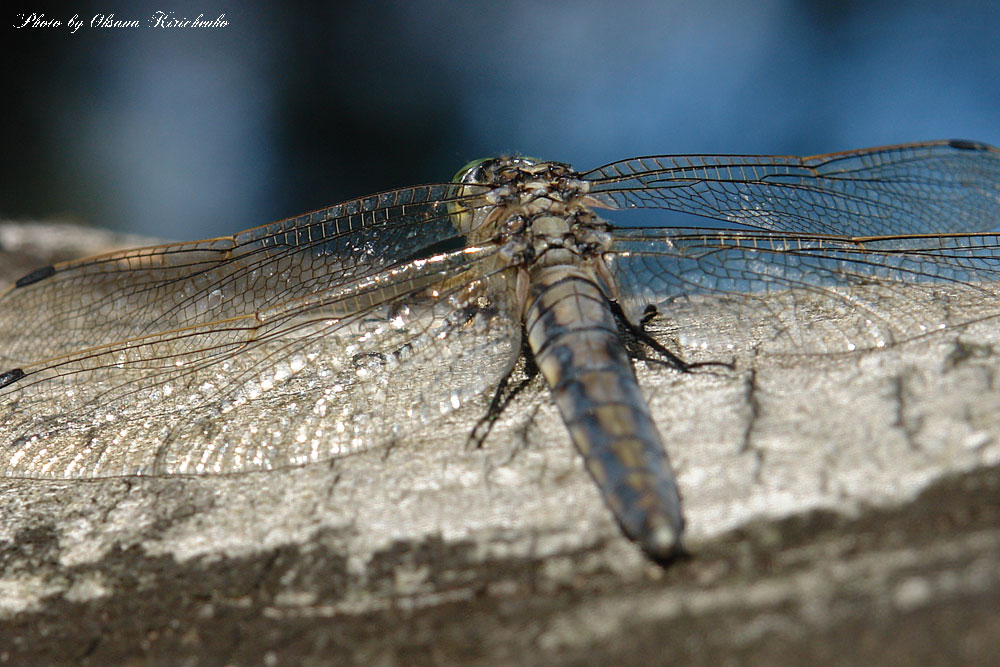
[577,346]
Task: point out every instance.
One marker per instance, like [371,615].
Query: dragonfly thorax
[536,212]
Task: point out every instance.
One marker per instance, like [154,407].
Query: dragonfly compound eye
[475,172]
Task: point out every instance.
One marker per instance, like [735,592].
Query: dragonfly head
[500,182]
[484,171]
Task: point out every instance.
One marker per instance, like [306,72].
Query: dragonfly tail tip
[10,377]
[663,542]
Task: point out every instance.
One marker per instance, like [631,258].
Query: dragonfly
[343,329]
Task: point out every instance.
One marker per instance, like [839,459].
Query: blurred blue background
[188,133]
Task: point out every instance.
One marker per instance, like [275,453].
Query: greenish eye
[468,173]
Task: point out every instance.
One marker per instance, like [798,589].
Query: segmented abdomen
[578,348]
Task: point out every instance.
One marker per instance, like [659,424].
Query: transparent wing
[808,293]
[947,186]
[314,336]
[129,294]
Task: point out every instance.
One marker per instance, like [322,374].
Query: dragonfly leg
[636,339]
[504,395]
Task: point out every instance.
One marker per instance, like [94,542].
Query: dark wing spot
[966,145]
[437,248]
[10,377]
[35,276]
